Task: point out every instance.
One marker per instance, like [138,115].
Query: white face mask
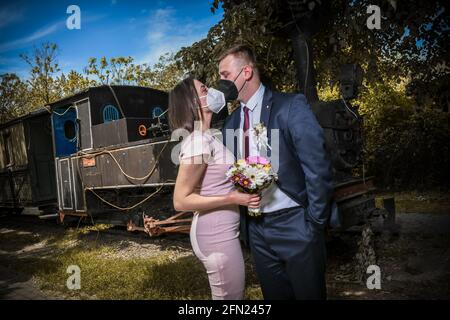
[215,100]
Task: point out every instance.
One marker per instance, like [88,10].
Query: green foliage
[118,70]
[13,97]
[43,67]
[406,146]
[73,82]
[249,22]
[341,36]
[164,75]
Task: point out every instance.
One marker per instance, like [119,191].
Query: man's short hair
[241,51]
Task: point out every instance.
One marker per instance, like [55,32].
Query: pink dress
[215,233]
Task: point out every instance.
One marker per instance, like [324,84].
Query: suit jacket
[304,171]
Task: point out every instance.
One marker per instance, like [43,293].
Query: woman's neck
[206,123]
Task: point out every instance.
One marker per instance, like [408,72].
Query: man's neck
[251,90]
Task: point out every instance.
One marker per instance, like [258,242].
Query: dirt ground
[414,264]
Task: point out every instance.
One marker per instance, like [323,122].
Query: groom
[287,241]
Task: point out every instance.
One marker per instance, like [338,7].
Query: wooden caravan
[27,173]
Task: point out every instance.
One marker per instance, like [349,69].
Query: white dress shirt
[273,198]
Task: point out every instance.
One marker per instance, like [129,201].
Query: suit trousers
[289,253]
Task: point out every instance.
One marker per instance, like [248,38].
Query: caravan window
[69,130]
[110,113]
[156,112]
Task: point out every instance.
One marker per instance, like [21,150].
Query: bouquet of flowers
[252,175]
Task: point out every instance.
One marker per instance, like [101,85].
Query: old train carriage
[113,158]
[27,172]
[105,154]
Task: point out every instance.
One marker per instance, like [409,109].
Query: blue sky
[141,29]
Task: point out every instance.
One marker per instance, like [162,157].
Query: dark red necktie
[246,134]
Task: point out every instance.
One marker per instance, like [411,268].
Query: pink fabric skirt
[215,240]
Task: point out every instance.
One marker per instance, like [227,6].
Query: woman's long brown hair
[183,105]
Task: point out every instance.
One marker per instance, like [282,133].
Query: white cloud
[38,34]
[167,33]
[91,18]
[45,31]
[161,23]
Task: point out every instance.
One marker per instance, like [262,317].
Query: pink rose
[257,160]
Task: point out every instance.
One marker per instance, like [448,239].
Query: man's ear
[248,72]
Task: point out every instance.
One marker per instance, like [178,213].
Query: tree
[13,97]
[410,48]
[43,67]
[72,83]
[164,75]
[118,70]
[413,36]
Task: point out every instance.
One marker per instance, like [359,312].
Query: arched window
[157,111]
[110,113]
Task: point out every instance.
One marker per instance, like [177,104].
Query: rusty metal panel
[84,123]
[136,162]
[108,134]
[353,188]
[120,132]
[77,184]
[92,175]
[65,181]
[356,211]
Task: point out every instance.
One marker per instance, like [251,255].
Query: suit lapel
[235,119]
[266,108]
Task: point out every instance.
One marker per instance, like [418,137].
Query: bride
[202,187]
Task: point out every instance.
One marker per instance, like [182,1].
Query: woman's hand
[245,199]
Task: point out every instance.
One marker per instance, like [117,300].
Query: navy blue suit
[288,246]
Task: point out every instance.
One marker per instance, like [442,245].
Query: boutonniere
[260,133]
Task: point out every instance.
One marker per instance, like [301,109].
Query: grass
[415,202]
[168,275]
[163,277]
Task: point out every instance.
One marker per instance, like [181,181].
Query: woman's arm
[190,175]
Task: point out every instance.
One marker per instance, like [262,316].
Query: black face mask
[218,118]
[229,88]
